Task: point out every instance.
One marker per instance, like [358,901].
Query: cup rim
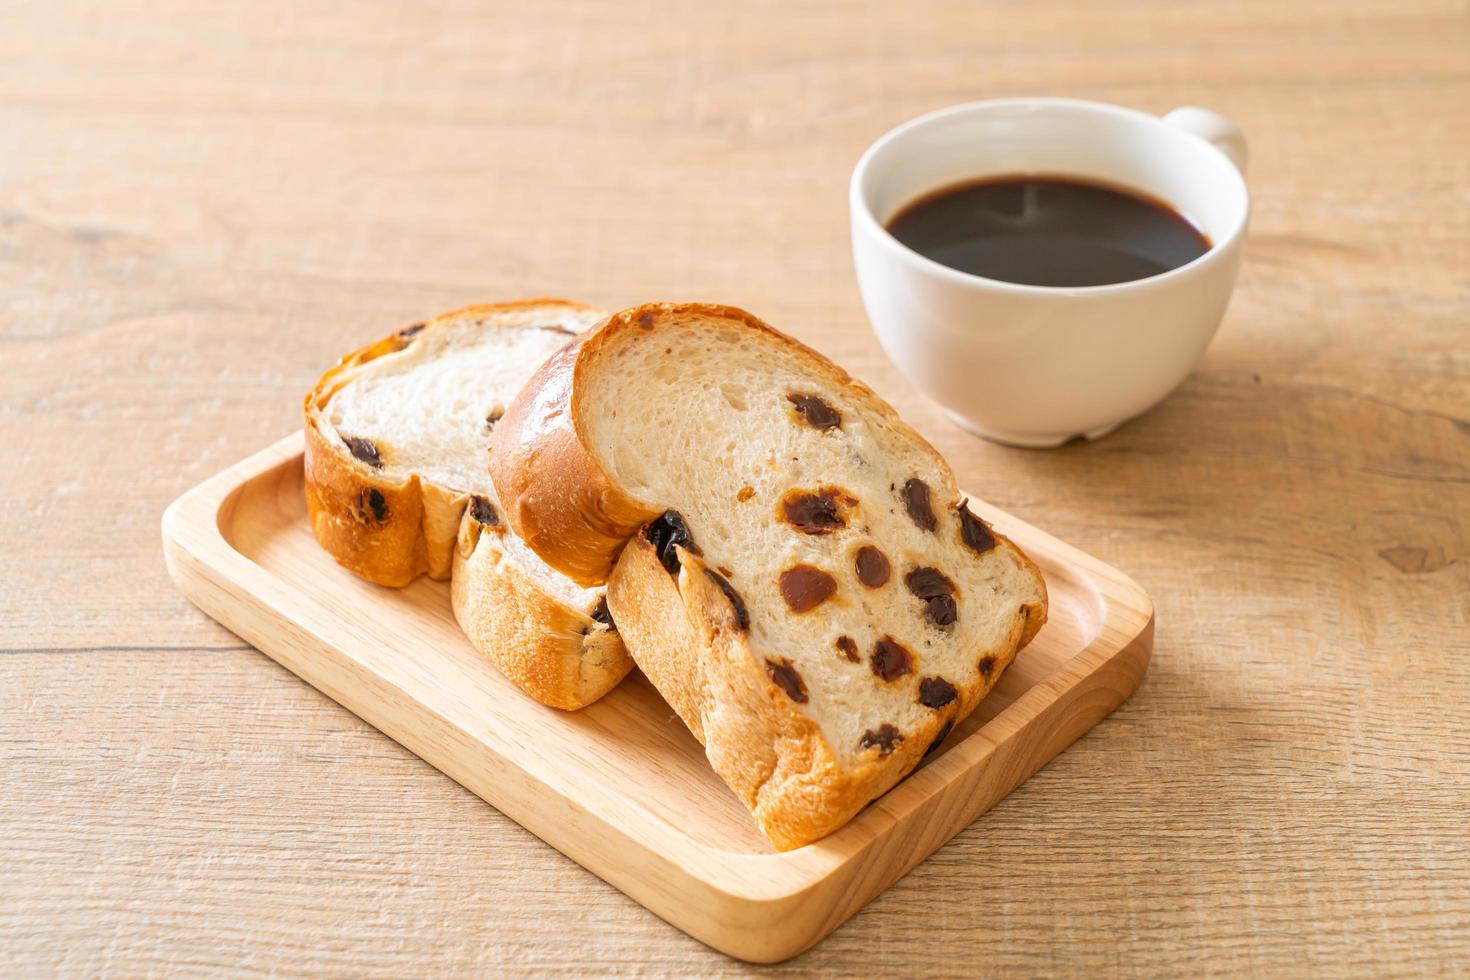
[859,206]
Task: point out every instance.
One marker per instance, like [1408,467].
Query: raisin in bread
[397,438]
[791,565]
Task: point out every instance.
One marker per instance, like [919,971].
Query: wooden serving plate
[622,787]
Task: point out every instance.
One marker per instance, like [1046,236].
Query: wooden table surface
[202,205]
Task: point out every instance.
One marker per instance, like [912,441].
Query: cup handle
[1215,129]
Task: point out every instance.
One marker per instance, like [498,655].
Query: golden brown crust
[558,655]
[557,496]
[410,528]
[376,528]
[1035,615]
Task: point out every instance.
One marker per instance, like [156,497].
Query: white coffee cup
[1037,365]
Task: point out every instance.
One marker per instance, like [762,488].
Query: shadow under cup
[1037,365]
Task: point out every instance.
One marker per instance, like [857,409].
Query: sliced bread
[397,445]
[791,565]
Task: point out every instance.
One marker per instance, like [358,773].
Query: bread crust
[558,655]
[560,498]
[557,496]
[389,540]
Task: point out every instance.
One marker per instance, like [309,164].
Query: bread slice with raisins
[397,445]
[791,565]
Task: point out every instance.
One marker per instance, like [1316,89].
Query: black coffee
[1048,231]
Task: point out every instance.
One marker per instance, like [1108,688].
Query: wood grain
[202,206]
